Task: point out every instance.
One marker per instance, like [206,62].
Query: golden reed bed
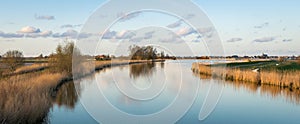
[290,79]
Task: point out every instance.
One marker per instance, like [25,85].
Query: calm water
[161,86]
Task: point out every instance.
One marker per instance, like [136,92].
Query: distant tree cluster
[143,53]
[12,59]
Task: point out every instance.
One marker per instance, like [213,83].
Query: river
[145,89]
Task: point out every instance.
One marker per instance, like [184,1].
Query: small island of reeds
[285,74]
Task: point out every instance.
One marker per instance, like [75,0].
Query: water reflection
[66,96]
[140,70]
[140,88]
[272,92]
[34,104]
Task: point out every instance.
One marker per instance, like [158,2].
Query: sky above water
[245,27]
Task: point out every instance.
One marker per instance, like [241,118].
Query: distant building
[102,57]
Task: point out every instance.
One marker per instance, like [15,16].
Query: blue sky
[245,27]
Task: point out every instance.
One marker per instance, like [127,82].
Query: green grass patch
[265,65]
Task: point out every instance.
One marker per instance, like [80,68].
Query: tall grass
[30,68]
[25,98]
[288,78]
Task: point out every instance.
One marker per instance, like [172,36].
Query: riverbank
[28,94]
[282,74]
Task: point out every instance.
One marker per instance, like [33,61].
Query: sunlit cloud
[40,34]
[29,29]
[185,31]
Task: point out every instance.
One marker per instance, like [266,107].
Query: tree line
[144,53]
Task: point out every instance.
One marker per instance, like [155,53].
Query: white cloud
[264,39]
[185,31]
[171,39]
[73,34]
[125,34]
[11,35]
[68,34]
[29,29]
[108,34]
[70,26]
[234,39]
[287,40]
[175,24]
[126,16]
[206,32]
[41,34]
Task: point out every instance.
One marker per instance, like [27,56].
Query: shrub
[61,61]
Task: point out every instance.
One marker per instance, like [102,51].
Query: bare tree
[12,59]
[61,61]
[142,53]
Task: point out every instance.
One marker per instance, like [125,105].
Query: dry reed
[25,98]
[31,68]
[289,79]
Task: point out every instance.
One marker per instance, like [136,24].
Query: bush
[61,61]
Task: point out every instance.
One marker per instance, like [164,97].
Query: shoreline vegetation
[27,91]
[275,73]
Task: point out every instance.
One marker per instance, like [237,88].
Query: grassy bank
[27,97]
[281,74]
